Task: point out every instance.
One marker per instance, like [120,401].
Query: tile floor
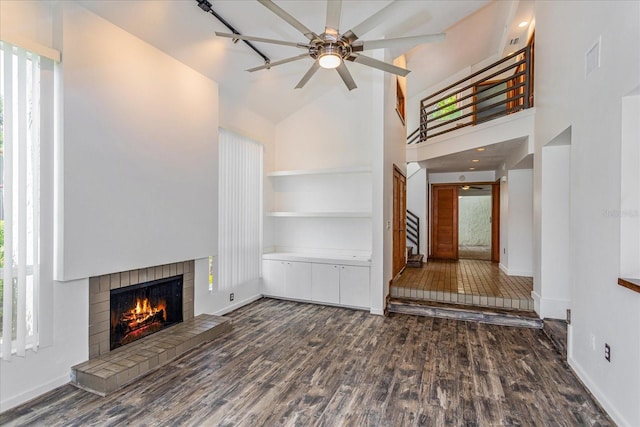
[465,281]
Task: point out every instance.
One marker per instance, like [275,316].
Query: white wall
[394,154]
[602,311]
[555,278]
[519,223]
[110,123]
[630,187]
[512,128]
[462,177]
[302,142]
[417,203]
[139,148]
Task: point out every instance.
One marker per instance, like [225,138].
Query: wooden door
[399,221]
[495,222]
[444,231]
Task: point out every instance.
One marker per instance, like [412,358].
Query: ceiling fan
[331,48]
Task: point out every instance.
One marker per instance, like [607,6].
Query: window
[240,211]
[20,201]
[447,109]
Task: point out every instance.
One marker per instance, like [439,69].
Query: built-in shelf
[321,258]
[356,169]
[633,284]
[321,214]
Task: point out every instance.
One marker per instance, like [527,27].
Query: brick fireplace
[108,370]
[100,288]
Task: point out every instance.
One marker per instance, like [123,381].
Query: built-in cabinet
[321,224]
[316,280]
[287,279]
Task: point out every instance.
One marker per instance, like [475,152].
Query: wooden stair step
[415,260]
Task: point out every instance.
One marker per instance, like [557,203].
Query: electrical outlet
[607,352]
[231,296]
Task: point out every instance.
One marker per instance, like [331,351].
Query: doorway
[474,222]
[465,221]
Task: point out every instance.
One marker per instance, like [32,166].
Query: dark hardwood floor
[287,363]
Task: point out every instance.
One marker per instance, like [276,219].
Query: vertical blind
[20,209]
[239,211]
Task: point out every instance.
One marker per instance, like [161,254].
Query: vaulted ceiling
[476,29]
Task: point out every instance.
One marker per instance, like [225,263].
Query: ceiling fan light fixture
[330,56]
[330,60]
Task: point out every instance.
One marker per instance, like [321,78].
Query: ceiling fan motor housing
[329,45]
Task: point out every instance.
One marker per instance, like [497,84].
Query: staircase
[493,316]
[413,237]
[414,260]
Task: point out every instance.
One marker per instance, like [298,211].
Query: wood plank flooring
[287,363]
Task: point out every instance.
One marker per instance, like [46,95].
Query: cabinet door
[354,286]
[325,283]
[273,278]
[297,280]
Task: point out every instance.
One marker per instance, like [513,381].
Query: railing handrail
[474,97]
[477,73]
[413,229]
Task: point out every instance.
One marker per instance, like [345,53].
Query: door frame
[495,215]
[399,225]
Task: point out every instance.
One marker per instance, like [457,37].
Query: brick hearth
[109,372]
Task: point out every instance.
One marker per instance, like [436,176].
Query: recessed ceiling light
[475,160]
[472,169]
[523,24]
[480,149]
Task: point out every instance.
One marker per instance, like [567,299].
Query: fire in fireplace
[141,310]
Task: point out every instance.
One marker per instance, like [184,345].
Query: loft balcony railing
[502,88]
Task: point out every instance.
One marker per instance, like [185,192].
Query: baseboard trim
[504,269]
[33,393]
[595,391]
[237,305]
[554,308]
[508,272]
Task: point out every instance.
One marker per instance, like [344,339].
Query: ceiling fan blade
[380,65]
[263,40]
[401,42]
[282,61]
[289,19]
[334,8]
[373,21]
[346,76]
[308,75]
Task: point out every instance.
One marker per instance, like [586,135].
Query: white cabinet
[273,278]
[317,279]
[297,280]
[325,283]
[340,284]
[354,286]
[286,279]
